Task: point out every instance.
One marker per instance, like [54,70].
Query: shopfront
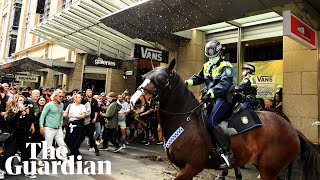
[248,37]
[96,69]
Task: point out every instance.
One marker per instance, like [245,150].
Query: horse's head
[155,82]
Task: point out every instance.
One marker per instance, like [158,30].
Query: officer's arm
[245,84]
[225,83]
[196,79]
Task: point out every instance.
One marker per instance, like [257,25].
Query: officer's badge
[228,71]
[245,120]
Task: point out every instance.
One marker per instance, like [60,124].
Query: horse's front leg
[238,174]
[188,172]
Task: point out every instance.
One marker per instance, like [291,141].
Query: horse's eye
[138,103]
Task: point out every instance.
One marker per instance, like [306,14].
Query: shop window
[26,28]
[3,24]
[269,49]
[12,44]
[15,16]
[65,4]
[40,6]
[2,30]
[46,10]
[230,54]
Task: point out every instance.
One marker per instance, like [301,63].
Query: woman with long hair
[37,136]
[278,101]
[20,126]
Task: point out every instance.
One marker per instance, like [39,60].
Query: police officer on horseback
[248,87]
[217,74]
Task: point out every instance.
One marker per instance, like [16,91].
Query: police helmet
[250,67]
[212,49]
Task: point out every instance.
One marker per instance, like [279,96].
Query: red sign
[5,66]
[298,30]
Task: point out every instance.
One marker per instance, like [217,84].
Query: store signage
[7,80]
[104,61]
[27,78]
[129,73]
[299,31]
[265,86]
[145,52]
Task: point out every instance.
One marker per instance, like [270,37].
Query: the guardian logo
[152,54]
[68,165]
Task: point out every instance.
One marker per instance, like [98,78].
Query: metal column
[318,34]
[239,56]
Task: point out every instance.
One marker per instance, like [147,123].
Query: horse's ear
[172,64]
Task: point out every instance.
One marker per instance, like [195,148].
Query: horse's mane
[179,89]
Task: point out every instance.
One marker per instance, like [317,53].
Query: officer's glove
[237,89]
[188,82]
[209,95]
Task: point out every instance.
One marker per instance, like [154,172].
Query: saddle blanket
[240,122]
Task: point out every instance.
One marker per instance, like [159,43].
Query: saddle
[242,121]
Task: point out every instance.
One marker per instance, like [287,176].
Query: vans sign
[265,79]
[144,52]
[265,86]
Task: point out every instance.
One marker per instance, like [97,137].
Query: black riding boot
[224,142]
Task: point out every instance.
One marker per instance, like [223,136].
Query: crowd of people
[65,119]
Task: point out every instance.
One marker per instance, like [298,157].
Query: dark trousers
[110,135]
[12,145]
[219,112]
[147,128]
[154,128]
[73,136]
[132,128]
[88,131]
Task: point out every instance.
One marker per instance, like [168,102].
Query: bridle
[154,100]
[155,95]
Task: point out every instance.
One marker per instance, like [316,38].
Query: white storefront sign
[27,78]
[265,85]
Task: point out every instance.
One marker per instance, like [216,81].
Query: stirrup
[228,161]
[223,166]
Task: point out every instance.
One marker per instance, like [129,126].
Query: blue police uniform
[249,88]
[218,79]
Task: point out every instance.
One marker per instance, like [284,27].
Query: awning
[78,27]
[35,64]
[151,19]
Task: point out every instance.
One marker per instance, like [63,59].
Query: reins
[182,113]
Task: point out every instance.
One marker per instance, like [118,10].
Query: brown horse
[270,147]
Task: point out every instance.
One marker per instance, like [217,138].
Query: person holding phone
[20,126]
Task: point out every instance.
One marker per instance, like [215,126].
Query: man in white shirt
[125,109]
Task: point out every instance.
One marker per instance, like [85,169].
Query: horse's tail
[309,158]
